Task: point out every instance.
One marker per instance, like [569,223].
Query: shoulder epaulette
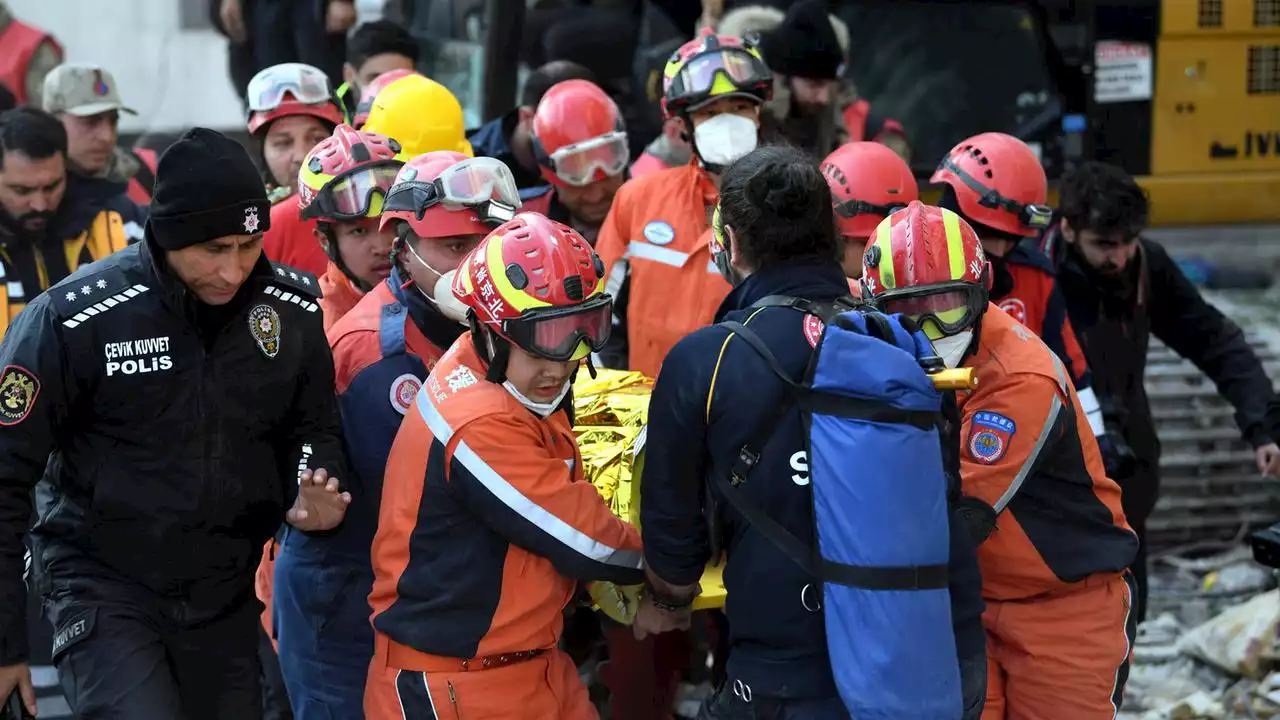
[80,298]
[291,278]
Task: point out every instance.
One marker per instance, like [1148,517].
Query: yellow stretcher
[611,411]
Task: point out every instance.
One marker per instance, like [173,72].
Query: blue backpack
[880,509]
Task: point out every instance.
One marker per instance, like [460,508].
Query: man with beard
[811,107]
[46,234]
[580,142]
[1120,289]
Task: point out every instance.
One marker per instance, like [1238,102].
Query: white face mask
[542,409]
[725,138]
[951,349]
[442,297]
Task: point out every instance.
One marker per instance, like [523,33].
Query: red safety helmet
[999,183]
[927,262]
[868,182]
[710,67]
[291,89]
[539,285]
[348,175]
[578,135]
[369,92]
[446,194]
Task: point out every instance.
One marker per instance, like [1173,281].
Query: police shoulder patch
[403,391]
[291,278]
[990,434]
[19,388]
[78,299]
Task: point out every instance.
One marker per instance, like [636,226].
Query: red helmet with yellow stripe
[537,284]
[348,175]
[927,263]
[710,67]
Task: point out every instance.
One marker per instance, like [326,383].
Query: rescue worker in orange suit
[1059,598]
[868,182]
[291,110]
[343,186]
[29,54]
[487,522]
[995,182]
[382,350]
[580,143]
[655,239]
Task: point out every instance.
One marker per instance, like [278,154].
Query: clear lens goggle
[306,84]
[351,196]
[482,184]
[577,164]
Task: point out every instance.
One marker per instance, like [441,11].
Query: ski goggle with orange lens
[694,82]
[557,333]
[308,87]
[577,164]
[351,196]
[481,184]
[940,310]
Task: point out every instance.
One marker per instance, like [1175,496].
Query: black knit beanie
[206,187]
[804,45]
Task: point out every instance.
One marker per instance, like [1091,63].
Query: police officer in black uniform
[172,400]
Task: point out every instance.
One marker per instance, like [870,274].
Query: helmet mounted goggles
[275,85]
[351,195]
[696,82]
[950,307]
[579,163]
[557,333]
[1033,216]
[484,185]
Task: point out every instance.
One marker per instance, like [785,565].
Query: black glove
[1117,456]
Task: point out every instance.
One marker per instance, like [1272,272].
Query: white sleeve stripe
[1092,410]
[507,493]
[1030,462]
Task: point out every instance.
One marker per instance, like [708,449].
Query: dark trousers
[123,652]
[275,699]
[1139,568]
[283,31]
[736,703]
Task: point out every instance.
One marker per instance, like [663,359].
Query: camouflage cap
[82,89]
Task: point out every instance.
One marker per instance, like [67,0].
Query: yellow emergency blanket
[610,413]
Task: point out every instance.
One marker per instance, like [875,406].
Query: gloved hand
[1117,456]
[619,602]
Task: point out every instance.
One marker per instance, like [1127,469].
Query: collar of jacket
[1117,295]
[175,293]
[808,277]
[436,328]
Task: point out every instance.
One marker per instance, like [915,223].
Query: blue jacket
[710,396]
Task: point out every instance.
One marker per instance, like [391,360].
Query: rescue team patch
[1016,309]
[264,325]
[989,437]
[74,629]
[19,388]
[659,232]
[813,327]
[403,390]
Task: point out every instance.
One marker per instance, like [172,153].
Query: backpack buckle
[747,459]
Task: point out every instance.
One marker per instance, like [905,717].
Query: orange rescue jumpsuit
[340,295]
[656,239]
[486,524]
[1059,627]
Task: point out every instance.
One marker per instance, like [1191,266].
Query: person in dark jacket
[510,137]
[172,434]
[707,403]
[1120,289]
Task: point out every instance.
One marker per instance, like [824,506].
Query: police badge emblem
[264,326]
[18,391]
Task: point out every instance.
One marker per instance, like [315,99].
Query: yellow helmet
[422,115]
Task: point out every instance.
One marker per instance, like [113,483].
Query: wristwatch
[666,602]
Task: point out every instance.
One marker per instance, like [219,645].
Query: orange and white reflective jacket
[486,524]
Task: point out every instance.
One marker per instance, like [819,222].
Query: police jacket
[709,399]
[1115,319]
[170,434]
